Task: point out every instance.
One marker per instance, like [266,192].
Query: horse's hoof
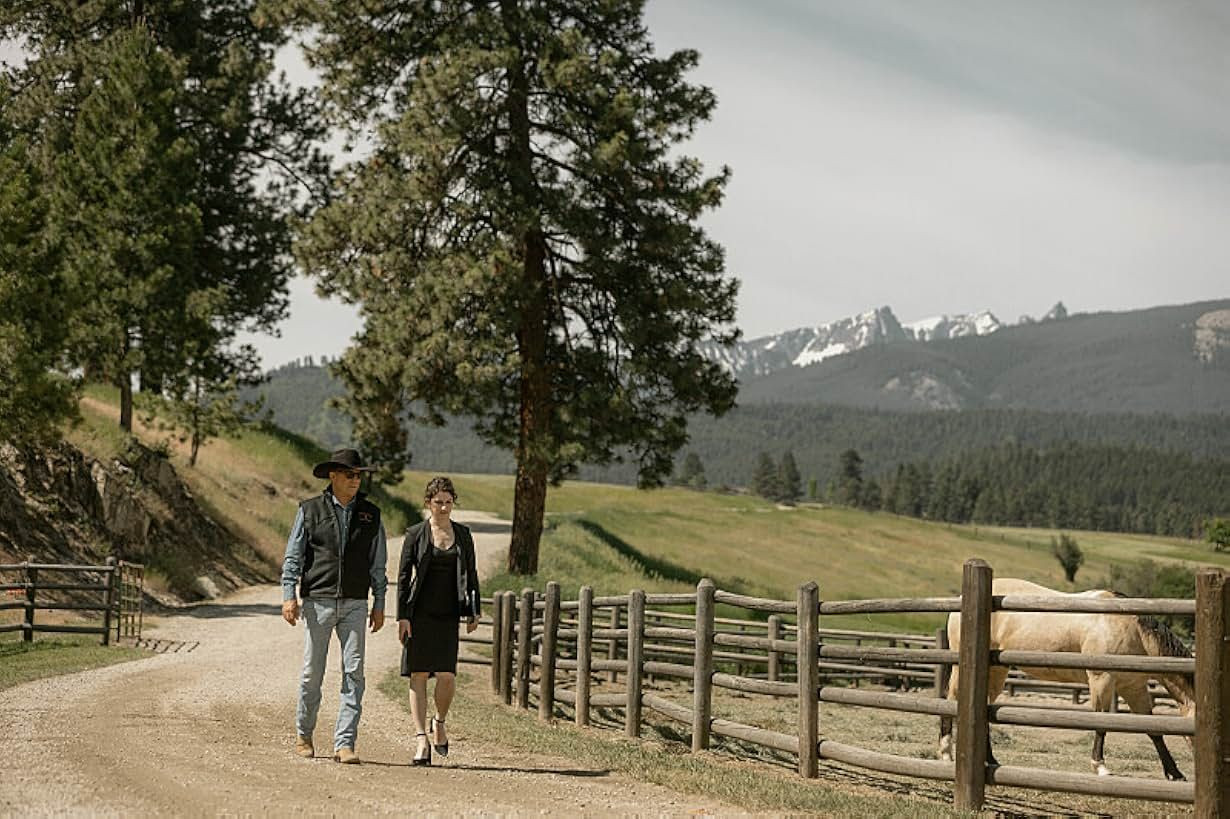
[1103,770]
[1177,777]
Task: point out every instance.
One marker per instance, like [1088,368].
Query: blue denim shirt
[296,545]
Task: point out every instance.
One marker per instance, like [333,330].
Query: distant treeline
[1134,473]
[1068,486]
[729,447]
[817,435]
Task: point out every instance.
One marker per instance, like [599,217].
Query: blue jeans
[348,618]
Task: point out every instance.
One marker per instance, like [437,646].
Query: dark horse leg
[1168,764]
[1099,757]
[1140,701]
[1101,696]
[996,677]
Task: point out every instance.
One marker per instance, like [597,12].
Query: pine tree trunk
[533,444]
[125,385]
[126,402]
[533,465]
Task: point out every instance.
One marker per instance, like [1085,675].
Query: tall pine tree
[122,209]
[523,239]
[765,479]
[790,483]
[33,301]
[172,161]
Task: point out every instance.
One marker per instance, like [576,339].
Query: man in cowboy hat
[335,554]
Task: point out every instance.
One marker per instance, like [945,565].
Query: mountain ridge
[802,346]
[1171,359]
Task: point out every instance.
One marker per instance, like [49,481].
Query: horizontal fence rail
[553,650]
[119,590]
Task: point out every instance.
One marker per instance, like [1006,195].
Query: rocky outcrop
[1212,335]
[59,505]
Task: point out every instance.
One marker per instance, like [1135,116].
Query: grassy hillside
[749,545]
[251,483]
[617,537]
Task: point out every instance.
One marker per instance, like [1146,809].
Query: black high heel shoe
[442,748]
[422,760]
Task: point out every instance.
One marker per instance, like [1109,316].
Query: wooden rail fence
[642,635]
[119,585]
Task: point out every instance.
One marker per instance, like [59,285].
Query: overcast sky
[946,157]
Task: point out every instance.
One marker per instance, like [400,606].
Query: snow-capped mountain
[939,327]
[809,345]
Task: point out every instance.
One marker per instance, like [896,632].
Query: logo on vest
[365,517]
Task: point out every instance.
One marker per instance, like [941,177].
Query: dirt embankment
[60,505]
[210,732]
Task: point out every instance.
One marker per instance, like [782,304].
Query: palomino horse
[1085,634]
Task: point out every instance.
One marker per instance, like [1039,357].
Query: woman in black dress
[437,586]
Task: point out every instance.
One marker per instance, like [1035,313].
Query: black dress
[434,626]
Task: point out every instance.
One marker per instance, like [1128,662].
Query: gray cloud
[1151,77]
[944,157]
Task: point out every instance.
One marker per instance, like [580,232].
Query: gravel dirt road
[210,731]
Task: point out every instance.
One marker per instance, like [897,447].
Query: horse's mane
[1160,641]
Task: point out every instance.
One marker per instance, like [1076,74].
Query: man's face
[345,483]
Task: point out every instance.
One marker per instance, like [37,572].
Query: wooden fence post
[112,571]
[1212,741]
[636,648]
[775,657]
[31,584]
[973,727]
[121,604]
[943,673]
[808,612]
[550,635]
[585,651]
[702,680]
[508,608]
[525,625]
[612,651]
[497,648]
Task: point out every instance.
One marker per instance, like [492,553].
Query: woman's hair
[436,485]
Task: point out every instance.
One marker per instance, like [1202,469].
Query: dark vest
[327,570]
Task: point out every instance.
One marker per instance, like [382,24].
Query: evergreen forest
[1117,472]
[1069,485]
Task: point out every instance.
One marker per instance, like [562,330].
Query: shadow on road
[213,611]
[501,527]
[584,774]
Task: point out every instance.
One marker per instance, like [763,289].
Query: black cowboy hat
[341,459]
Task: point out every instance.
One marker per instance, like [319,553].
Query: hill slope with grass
[616,537]
[671,537]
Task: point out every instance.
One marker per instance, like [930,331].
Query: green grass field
[22,662]
[660,758]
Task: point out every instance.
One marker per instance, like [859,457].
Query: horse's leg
[1138,698]
[1101,695]
[996,677]
[945,751]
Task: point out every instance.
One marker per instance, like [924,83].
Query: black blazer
[414,551]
